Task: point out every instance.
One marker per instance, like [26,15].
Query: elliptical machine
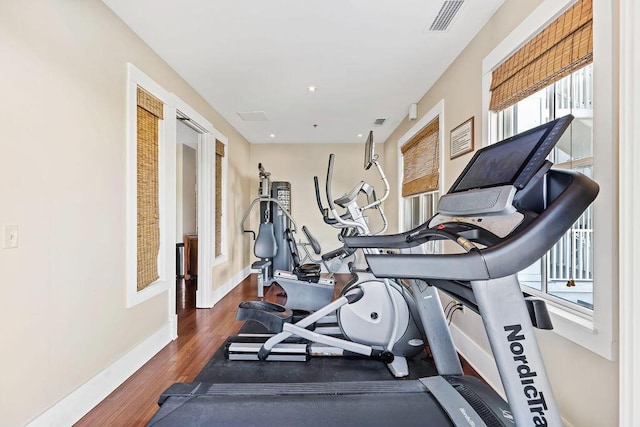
[375,317]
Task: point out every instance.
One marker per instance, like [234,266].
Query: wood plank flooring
[200,333]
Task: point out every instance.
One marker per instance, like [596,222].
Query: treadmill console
[487,186]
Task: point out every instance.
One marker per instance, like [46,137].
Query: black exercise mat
[318,369]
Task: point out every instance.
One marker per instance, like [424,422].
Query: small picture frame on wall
[462,139]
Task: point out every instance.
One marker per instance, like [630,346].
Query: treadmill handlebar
[513,254]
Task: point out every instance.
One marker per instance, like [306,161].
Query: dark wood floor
[200,334]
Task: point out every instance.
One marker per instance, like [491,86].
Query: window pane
[567,270]
[532,276]
[570,263]
[412,212]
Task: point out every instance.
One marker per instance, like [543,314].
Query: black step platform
[318,369]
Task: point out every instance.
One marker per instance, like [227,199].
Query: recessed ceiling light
[359,135]
[272,136]
[312,88]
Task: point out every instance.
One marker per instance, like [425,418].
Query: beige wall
[586,385]
[63,182]
[298,164]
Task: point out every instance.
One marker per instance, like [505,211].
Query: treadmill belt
[405,406]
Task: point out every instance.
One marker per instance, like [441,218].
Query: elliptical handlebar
[328,219]
[340,220]
[346,220]
[328,181]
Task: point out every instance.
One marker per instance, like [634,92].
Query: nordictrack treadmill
[505,211]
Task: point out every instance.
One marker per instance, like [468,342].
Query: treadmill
[504,212]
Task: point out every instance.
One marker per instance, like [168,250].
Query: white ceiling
[369,59]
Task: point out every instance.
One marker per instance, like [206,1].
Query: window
[566,273]
[148,117]
[594,329]
[417,210]
[421,169]
[149,267]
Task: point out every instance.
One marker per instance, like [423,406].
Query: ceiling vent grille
[445,16]
[379,122]
[253,116]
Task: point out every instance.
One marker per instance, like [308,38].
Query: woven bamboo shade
[560,49]
[150,103]
[421,160]
[218,213]
[148,221]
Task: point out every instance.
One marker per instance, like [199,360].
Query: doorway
[187,138]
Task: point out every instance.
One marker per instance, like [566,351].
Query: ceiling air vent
[445,16]
[253,116]
[379,122]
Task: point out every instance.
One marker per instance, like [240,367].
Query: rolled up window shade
[559,49]
[149,112]
[421,161]
[218,213]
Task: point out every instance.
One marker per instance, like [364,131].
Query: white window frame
[436,111]
[166,154]
[629,155]
[597,332]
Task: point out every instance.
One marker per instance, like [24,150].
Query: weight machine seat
[309,272]
[265,248]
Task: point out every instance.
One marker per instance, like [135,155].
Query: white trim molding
[205,297]
[78,403]
[166,269]
[629,155]
[206,223]
[230,284]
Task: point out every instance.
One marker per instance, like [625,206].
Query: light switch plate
[10,236]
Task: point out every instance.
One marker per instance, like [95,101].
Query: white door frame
[206,200]
[629,156]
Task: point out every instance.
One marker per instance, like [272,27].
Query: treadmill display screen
[512,161]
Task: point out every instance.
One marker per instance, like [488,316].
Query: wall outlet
[10,236]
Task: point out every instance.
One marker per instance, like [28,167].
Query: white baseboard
[79,402]
[228,286]
[478,358]
[173,326]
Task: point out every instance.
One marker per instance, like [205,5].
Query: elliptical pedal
[272,316]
